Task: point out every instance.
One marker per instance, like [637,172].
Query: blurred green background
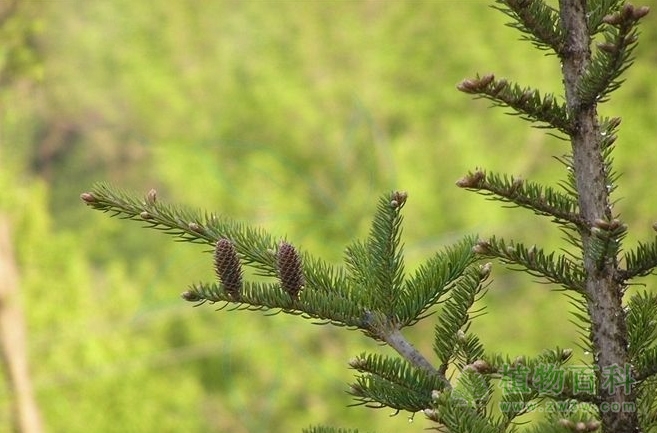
[293,116]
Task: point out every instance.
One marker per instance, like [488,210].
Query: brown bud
[191,296]
[640,12]
[499,86]
[480,366]
[481,247]
[602,224]
[566,354]
[612,19]
[227,267]
[290,272]
[516,185]
[195,227]
[566,423]
[471,180]
[88,197]
[484,270]
[398,199]
[607,47]
[593,425]
[580,427]
[151,197]
[486,80]
[627,11]
[146,216]
[468,86]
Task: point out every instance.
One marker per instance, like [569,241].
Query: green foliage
[372,293]
[144,94]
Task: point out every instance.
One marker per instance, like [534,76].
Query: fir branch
[613,56]
[538,22]
[641,319]
[646,364]
[404,386]
[386,262]
[456,313]
[312,304]
[596,14]
[525,101]
[647,404]
[554,268]
[640,261]
[452,412]
[541,199]
[434,279]
[582,320]
[254,246]
[475,389]
[605,242]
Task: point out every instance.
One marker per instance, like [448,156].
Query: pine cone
[228,268]
[290,271]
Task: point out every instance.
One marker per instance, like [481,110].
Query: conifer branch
[541,199]
[405,387]
[433,279]
[526,102]
[613,56]
[641,316]
[558,269]
[640,261]
[456,314]
[538,22]
[253,245]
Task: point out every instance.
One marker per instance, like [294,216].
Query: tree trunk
[13,354]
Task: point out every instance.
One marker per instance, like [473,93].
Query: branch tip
[88,198]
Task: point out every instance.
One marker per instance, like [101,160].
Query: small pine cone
[228,268]
[290,272]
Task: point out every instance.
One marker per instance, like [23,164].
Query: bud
[472,180]
[640,12]
[151,197]
[612,19]
[602,224]
[398,199]
[191,296]
[607,47]
[482,247]
[593,425]
[484,270]
[563,422]
[516,185]
[146,216]
[480,366]
[290,272]
[468,86]
[88,197]
[227,267]
[566,353]
[486,80]
[195,227]
[499,86]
